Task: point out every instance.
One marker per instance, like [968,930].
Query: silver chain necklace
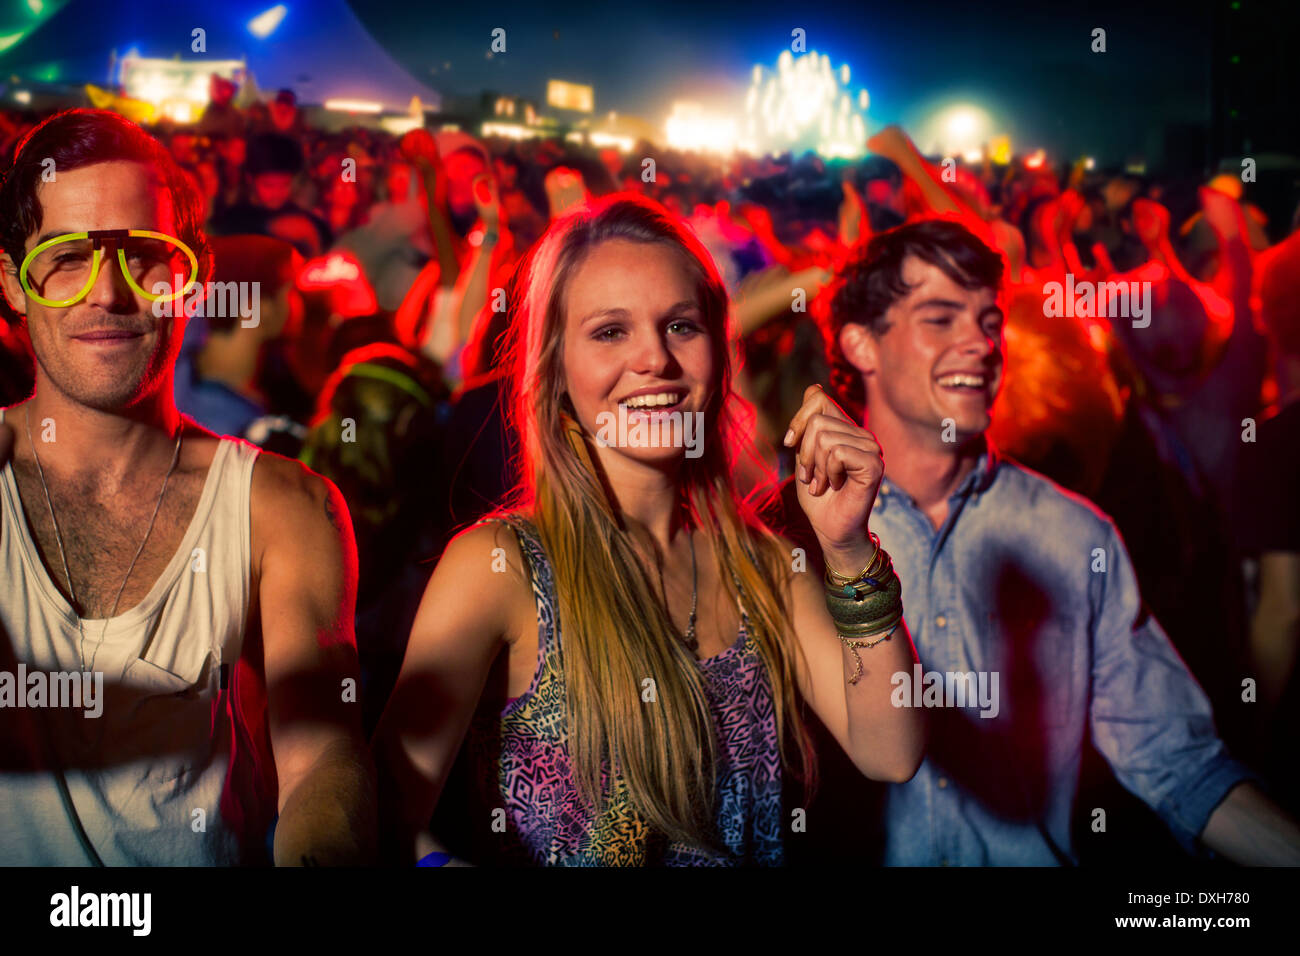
[58,536]
[690,639]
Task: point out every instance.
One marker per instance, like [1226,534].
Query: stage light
[1035,160]
[690,127]
[803,105]
[264,24]
[962,123]
[955,130]
[354,106]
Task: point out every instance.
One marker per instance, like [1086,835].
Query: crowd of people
[410,292]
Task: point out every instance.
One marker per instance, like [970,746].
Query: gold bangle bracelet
[838,578]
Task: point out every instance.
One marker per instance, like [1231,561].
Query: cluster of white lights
[691,127]
[805,104]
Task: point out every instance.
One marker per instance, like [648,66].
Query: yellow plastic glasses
[61,271]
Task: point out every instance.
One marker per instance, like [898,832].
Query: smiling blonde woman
[624,649]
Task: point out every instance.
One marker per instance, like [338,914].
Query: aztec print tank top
[520,759]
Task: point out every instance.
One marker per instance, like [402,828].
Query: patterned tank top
[520,758]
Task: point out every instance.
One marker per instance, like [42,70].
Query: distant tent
[248,93]
[320,50]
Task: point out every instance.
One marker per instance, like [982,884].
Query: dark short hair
[81,137]
[265,260]
[872,281]
[274,153]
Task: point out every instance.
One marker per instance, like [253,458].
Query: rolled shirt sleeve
[1149,717]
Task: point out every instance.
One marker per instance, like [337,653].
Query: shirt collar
[977,482]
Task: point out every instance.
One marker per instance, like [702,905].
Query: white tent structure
[317,48]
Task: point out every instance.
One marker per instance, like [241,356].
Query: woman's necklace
[58,536]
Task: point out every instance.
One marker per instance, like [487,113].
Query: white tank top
[148,782]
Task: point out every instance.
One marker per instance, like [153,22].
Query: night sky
[1029,65]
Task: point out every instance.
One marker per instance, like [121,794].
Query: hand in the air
[838,467]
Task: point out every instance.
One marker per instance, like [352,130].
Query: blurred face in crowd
[233,150]
[282,313]
[283,115]
[633,328]
[220,91]
[938,357]
[108,351]
[182,147]
[272,190]
[507,174]
[398,183]
[341,193]
[209,181]
[206,183]
[462,167]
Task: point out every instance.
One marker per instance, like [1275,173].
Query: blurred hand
[1101,256]
[418,148]
[564,189]
[1068,207]
[891,142]
[851,214]
[487,201]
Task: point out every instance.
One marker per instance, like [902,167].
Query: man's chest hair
[103,530]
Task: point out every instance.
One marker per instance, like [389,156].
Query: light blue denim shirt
[1032,583]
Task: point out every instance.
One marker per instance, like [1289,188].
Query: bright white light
[508,130]
[955,131]
[803,105]
[691,128]
[264,24]
[962,123]
[601,140]
[354,106]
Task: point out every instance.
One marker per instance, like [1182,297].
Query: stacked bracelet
[870,602]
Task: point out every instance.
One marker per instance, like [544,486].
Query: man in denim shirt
[1024,587]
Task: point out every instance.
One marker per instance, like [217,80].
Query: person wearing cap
[285,118]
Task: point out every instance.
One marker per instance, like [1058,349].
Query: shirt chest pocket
[168,716]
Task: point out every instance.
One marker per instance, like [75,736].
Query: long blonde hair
[615,631]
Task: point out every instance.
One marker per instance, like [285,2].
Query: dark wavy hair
[872,280]
[80,137]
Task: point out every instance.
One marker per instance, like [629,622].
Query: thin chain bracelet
[853,645]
